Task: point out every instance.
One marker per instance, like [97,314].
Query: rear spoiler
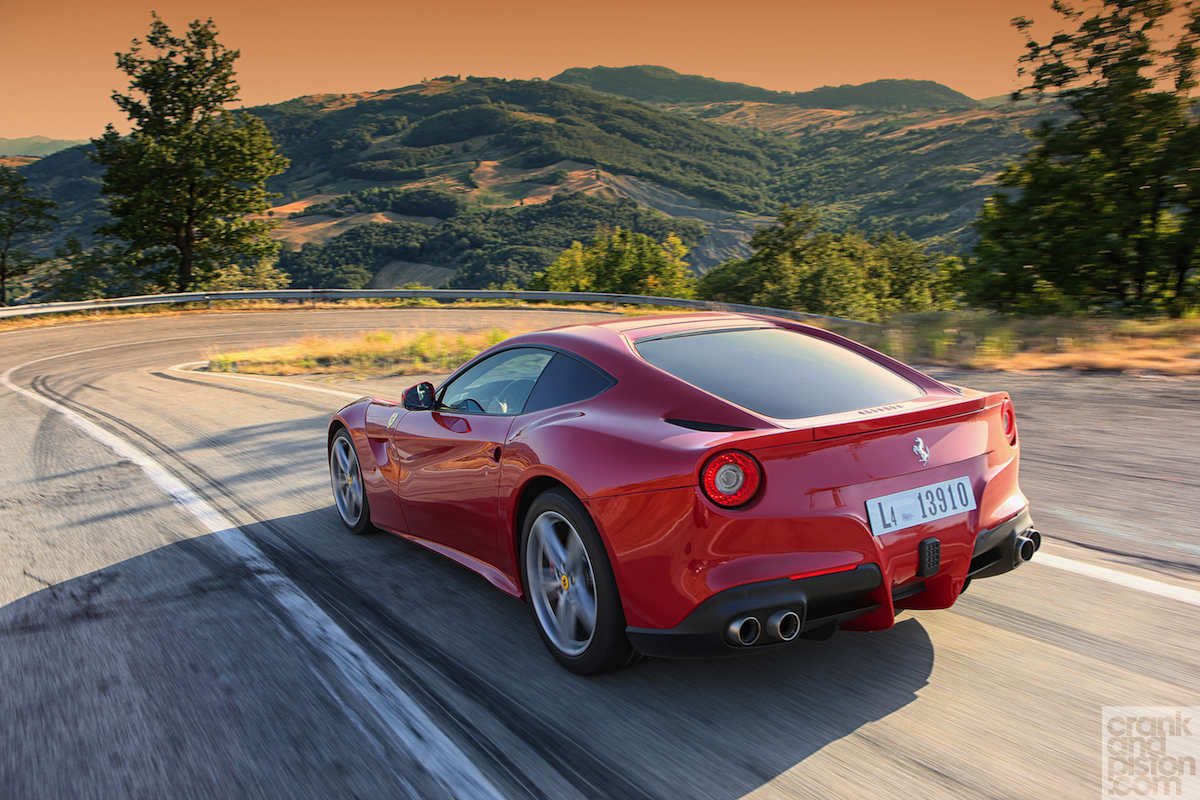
[872,419]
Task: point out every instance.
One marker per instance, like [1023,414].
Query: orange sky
[57,69]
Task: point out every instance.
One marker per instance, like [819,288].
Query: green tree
[774,274]
[1104,211]
[263,274]
[107,269]
[22,214]
[797,266]
[184,185]
[622,262]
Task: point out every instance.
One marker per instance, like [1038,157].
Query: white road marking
[289,384]
[411,727]
[1170,591]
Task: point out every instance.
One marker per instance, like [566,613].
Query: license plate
[901,510]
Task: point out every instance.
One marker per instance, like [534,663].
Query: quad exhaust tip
[744,630]
[1027,544]
[784,625]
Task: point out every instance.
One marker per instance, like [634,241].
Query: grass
[992,341]
[373,354]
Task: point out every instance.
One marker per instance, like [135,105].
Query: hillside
[450,162]
[660,85]
[437,130]
[924,173]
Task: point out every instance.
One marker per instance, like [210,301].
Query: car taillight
[731,479]
[1008,418]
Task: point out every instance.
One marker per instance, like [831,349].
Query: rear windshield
[778,373]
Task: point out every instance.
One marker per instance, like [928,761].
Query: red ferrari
[693,485]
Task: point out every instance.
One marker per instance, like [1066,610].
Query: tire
[570,587]
[345,476]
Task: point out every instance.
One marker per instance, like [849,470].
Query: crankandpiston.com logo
[1151,751]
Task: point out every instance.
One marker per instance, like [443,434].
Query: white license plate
[901,510]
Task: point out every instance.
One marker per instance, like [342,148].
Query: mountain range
[717,157]
[652,84]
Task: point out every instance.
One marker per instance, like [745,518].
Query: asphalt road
[182,615]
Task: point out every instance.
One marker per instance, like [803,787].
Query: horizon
[66,53]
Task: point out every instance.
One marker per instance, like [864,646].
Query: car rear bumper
[820,602]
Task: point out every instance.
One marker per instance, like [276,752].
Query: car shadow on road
[183,645]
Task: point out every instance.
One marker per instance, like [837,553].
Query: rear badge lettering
[878,409]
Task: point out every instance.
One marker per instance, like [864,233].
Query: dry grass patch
[991,341]
[374,354]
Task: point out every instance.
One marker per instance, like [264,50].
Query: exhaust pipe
[784,625]
[744,630]
[1027,544]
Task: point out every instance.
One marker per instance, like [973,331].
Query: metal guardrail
[441,295]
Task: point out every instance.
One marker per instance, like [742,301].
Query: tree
[797,266]
[1104,211]
[21,215]
[622,262]
[263,274]
[107,269]
[182,184]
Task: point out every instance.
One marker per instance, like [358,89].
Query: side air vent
[710,427]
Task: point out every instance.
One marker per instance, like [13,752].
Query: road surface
[182,615]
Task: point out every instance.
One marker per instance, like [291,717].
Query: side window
[564,381]
[498,385]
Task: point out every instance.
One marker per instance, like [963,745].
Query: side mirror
[419,397]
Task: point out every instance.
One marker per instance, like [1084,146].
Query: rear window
[778,373]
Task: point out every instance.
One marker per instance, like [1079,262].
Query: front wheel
[349,493]
[570,586]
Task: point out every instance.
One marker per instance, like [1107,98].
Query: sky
[58,68]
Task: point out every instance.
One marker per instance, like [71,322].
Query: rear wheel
[570,586]
[349,494]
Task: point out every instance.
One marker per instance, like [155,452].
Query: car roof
[635,328]
[609,343]
[619,334]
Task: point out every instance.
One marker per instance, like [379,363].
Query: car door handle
[455,424]
[496,455]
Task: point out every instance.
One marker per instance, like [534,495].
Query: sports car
[699,484]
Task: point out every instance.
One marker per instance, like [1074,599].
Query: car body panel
[449,477]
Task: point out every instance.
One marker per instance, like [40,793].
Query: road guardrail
[441,295]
